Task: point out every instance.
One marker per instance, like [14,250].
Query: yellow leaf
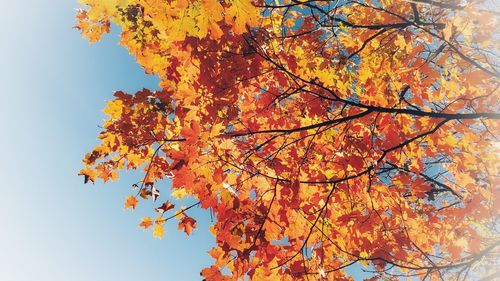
[364,74]
[114,109]
[210,13]
[451,140]
[158,231]
[179,193]
[226,197]
[241,13]
[329,174]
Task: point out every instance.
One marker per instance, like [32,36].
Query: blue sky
[53,86]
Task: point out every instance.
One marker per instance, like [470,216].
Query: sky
[53,86]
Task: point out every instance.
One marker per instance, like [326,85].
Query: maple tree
[320,134]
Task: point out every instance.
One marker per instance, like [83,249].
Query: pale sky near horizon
[53,86]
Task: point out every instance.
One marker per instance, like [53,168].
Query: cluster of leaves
[320,134]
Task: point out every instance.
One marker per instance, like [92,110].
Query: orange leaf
[146,223]
[131,202]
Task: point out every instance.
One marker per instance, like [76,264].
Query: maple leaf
[158,231]
[165,207]
[146,222]
[212,273]
[89,175]
[179,193]
[114,109]
[131,202]
[241,13]
[187,224]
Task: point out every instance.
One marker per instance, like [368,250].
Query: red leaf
[165,207]
[187,224]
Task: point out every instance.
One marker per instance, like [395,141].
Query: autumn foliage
[319,134]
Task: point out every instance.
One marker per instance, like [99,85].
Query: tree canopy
[320,134]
